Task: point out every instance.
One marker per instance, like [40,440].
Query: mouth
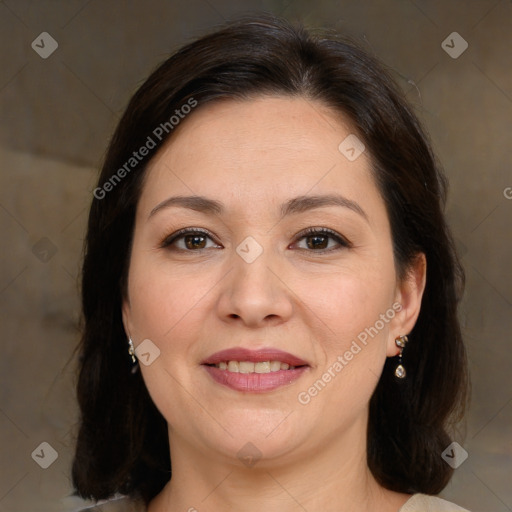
[253,367]
[254,371]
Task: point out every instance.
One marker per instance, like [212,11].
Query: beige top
[424,503]
[416,503]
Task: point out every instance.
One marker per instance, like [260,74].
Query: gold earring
[400,370]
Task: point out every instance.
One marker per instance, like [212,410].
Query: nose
[255,294]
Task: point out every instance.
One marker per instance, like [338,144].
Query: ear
[126,312]
[409,293]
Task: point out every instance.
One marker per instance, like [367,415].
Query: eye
[195,240]
[188,239]
[318,240]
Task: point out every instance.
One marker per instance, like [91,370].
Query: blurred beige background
[56,117]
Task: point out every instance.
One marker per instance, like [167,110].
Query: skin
[252,156]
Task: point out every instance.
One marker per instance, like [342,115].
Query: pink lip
[254,382]
[256,356]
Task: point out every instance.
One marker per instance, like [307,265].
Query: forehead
[294,127]
[263,149]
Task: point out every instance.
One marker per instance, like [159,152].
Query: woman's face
[252,281]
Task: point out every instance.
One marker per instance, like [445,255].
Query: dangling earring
[400,370]
[131,351]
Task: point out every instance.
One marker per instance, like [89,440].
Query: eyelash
[343,242]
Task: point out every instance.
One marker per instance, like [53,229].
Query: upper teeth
[250,367]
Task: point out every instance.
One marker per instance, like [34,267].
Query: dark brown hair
[122,443]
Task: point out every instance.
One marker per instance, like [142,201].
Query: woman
[269,288]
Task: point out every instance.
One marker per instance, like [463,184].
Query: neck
[333,477]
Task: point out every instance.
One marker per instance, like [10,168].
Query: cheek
[161,302]
[351,347]
[167,309]
[349,302]
[349,337]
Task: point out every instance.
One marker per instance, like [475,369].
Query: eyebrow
[293,206]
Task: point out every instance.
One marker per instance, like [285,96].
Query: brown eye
[319,240]
[191,240]
[194,241]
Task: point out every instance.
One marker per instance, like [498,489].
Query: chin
[256,437]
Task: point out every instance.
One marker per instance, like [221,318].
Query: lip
[254,382]
[255,356]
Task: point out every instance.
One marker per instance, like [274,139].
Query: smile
[254,371]
[252,367]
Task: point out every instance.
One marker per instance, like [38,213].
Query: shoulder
[121,504]
[425,503]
